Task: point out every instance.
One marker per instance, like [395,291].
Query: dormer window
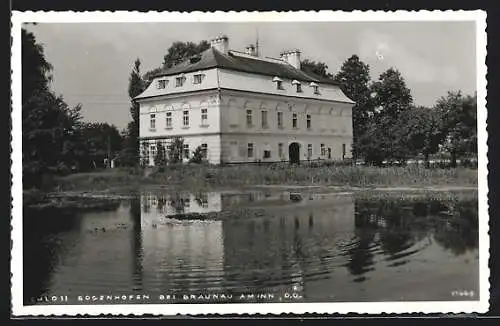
[279,83]
[197,79]
[161,84]
[179,81]
[298,85]
[315,87]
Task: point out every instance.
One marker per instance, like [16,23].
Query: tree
[423,133]
[317,68]
[459,124]
[354,80]
[101,138]
[130,154]
[180,51]
[198,155]
[391,97]
[175,150]
[161,155]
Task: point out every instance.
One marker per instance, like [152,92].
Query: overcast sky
[92,62]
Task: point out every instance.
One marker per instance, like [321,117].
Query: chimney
[251,50]
[220,43]
[292,58]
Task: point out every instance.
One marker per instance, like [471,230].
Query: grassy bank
[199,177]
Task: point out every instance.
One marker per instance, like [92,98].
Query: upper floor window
[249,118]
[204,116]
[298,86]
[264,119]
[152,121]
[179,81]
[168,120]
[280,120]
[185,118]
[161,84]
[315,87]
[294,120]
[308,121]
[197,79]
[279,82]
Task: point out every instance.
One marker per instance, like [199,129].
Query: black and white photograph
[312,162]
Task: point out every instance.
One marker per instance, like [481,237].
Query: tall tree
[391,97]
[317,68]
[130,153]
[459,124]
[354,80]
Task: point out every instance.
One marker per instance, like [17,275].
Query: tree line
[387,125]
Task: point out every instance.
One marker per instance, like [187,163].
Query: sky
[92,61]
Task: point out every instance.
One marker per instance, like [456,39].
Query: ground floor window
[343,150]
[204,150]
[267,153]
[323,149]
[280,150]
[309,150]
[186,150]
[250,150]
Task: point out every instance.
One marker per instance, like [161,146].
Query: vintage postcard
[249,163]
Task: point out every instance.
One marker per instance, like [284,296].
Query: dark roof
[212,58]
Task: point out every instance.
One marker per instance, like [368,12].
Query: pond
[257,246]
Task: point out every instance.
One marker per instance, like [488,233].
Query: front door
[294,153]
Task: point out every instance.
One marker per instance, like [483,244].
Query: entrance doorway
[294,153]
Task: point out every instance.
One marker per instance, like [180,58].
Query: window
[179,81]
[343,151]
[308,121]
[204,116]
[280,120]
[185,118]
[152,150]
[264,119]
[168,120]
[185,150]
[152,121]
[197,79]
[249,118]
[162,83]
[316,89]
[299,88]
[250,150]
[294,120]
[309,150]
[280,149]
[204,150]
[323,150]
[279,84]
[267,153]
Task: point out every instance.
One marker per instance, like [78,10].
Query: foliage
[175,150]
[354,80]
[198,155]
[102,140]
[317,68]
[459,124]
[129,156]
[161,155]
[180,51]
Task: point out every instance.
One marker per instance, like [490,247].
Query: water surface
[274,245]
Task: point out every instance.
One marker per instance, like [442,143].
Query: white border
[480,306]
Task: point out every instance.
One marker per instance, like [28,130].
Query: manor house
[242,107]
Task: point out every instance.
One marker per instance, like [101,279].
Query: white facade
[245,117]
